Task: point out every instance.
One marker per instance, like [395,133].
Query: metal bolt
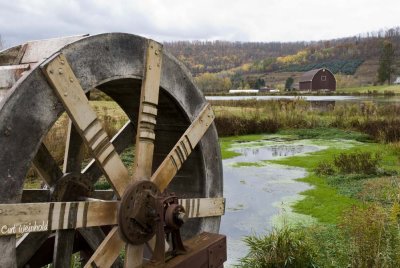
[149,67]
[181,216]
[62,62]
[71,80]
[156,52]
[1,211]
[51,71]
[65,93]
[60,71]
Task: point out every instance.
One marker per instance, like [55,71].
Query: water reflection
[251,192]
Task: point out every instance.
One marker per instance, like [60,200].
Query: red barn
[318,79]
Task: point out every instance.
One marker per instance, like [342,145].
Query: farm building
[318,79]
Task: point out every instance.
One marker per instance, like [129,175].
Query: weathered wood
[39,217]
[43,195]
[27,246]
[35,195]
[145,137]
[7,249]
[133,256]
[123,139]
[70,92]
[73,150]
[181,151]
[203,207]
[94,236]
[148,111]
[10,74]
[107,252]
[63,248]
[46,166]
[201,250]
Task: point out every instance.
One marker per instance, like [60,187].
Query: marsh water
[258,193]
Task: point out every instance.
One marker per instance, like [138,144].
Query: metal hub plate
[137,214]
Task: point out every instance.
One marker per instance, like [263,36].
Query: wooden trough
[176,189]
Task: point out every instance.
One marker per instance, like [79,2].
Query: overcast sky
[167,20]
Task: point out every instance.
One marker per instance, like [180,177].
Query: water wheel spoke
[63,247]
[182,149]
[203,207]
[121,140]
[108,251]
[39,217]
[68,89]
[73,150]
[28,245]
[148,111]
[145,131]
[46,166]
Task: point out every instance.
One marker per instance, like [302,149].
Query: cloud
[164,20]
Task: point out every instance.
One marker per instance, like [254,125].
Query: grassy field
[382,89]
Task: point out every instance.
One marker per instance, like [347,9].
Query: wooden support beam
[107,252]
[40,217]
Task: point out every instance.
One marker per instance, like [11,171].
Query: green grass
[325,134]
[227,142]
[327,201]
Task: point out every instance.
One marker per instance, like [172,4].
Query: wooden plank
[27,246]
[148,111]
[63,248]
[133,256]
[35,195]
[182,149]
[198,253]
[145,137]
[46,166]
[107,252]
[203,207]
[73,155]
[71,94]
[43,195]
[123,139]
[39,217]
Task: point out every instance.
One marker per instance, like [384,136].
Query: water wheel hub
[137,213]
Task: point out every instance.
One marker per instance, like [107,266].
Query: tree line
[217,56]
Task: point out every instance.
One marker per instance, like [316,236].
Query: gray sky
[166,20]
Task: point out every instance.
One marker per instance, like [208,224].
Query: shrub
[324,168]
[358,162]
[373,239]
[284,247]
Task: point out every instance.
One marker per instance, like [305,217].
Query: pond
[256,191]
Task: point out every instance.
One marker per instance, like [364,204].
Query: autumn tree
[386,62]
[209,82]
[289,83]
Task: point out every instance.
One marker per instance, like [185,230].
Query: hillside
[354,60]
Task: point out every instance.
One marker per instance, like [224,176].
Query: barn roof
[308,76]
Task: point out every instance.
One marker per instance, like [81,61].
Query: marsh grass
[239,117]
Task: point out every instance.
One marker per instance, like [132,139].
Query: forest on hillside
[223,64]
[217,56]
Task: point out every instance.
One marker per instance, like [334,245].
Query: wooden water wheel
[177,164]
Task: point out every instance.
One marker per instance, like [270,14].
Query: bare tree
[1,43]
